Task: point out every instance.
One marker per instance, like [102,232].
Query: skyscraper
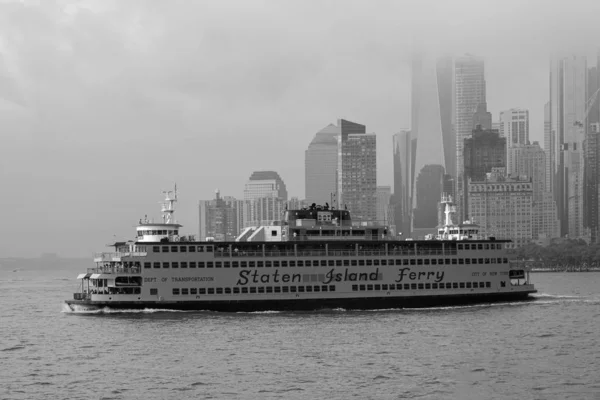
[265,196]
[321,165]
[402,198]
[265,184]
[502,206]
[483,152]
[429,165]
[591,206]
[529,160]
[445,81]
[218,218]
[383,195]
[469,92]
[568,84]
[549,149]
[357,170]
[514,126]
[482,117]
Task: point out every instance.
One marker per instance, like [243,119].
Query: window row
[479,246]
[254,289]
[416,286]
[324,263]
[182,249]
[157,232]
[210,249]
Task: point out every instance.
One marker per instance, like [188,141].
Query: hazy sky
[103,104]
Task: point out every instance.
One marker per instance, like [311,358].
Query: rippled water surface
[545,349]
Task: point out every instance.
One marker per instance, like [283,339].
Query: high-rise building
[496,125]
[469,92]
[482,117]
[265,184]
[321,160]
[514,126]
[265,197]
[591,197]
[432,96]
[484,151]
[264,211]
[429,161]
[402,199]
[383,196]
[530,161]
[568,88]
[218,219]
[502,206]
[445,81]
[357,170]
[592,184]
[549,145]
[426,196]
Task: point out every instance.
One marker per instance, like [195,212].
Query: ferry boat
[314,258]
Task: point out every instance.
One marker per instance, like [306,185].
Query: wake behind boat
[314,258]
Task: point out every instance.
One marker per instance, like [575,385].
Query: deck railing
[117,256]
[114,270]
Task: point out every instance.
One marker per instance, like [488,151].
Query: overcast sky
[103,104]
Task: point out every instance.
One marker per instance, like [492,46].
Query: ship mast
[168,207]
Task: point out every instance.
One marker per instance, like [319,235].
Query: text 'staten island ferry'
[314,258]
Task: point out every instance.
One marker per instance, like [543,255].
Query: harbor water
[548,348]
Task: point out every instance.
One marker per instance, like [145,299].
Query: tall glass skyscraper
[321,165]
[265,184]
[402,198]
[514,126]
[469,92]
[429,160]
[445,82]
[568,89]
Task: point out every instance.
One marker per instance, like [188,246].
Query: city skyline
[118,102]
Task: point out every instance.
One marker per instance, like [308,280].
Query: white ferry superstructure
[315,258]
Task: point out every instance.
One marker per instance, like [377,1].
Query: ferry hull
[355,303]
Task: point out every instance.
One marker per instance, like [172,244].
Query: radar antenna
[168,206]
